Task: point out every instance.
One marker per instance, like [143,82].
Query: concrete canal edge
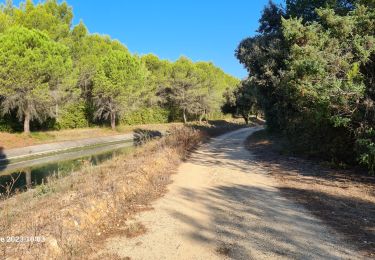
[35,151]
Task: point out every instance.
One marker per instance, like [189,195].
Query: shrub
[4,126]
[72,115]
[152,115]
[218,115]
[43,189]
[10,123]
[366,149]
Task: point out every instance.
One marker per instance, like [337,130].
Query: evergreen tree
[31,69]
[118,85]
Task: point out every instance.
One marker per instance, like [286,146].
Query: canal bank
[10,156]
[31,166]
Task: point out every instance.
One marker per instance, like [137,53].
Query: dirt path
[222,205]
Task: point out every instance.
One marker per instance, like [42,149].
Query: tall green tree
[176,89]
[158,79]
[214,83]
[265,56]
[184,85]
[242,101]
[118,85]
[194,89]
[32,67]
[311,66]
[6,12]
[306,9]
[49,17]
[87,51]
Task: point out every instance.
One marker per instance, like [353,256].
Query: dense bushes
[365,148]
[312,71]
[151,115]
[4,126]
[9,123]
[72,116]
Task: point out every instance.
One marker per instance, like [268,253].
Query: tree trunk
[113,120]
[26,122]
[246,118]
[184,115]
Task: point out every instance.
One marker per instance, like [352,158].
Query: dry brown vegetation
[343,199]
[76,213]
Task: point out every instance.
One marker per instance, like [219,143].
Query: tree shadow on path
[255,220]
[325,192]
[251,222]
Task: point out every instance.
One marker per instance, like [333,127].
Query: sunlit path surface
[222,205]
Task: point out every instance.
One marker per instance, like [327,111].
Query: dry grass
[77,213]
[15,140]
[344,200]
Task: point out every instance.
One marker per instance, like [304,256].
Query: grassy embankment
[77,213]
[343,199]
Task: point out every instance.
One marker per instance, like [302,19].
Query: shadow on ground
[351,216]
[217,127]
[247,215]
[268,151]
[225,153]
[142,136]
[249,221]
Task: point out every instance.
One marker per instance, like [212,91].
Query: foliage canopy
[312,68]
[54,74]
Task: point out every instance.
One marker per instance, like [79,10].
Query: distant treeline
[312,71]
[55,75]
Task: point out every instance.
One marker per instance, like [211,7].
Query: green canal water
[30,173]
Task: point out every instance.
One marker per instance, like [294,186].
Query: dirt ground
[343,199]
[224,204]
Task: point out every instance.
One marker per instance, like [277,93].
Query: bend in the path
[222,204]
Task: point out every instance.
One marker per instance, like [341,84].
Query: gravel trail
[222,205]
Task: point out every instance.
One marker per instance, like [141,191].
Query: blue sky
[208,30]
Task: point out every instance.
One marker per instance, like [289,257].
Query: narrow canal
[30,173]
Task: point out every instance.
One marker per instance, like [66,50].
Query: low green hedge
[153,115]
[72,116]
[4,126]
